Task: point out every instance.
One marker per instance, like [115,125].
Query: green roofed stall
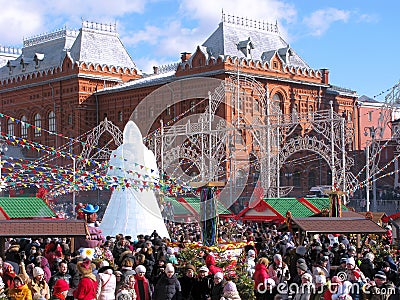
[322,203]
[189,207]
[179,209]
[283,205]
[24,208]
[195,203]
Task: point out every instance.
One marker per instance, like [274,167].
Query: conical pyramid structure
[131,211]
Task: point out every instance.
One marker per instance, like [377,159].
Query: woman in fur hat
[20,291]
[87,286]
[127,267]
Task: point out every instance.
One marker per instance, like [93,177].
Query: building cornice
[62,78]
[208,74]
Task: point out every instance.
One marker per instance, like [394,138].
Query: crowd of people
[150,267]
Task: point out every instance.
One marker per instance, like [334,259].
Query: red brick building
[66,82]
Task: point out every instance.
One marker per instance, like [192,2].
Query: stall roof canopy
[43,228]
[195,203]
[25,207]
[179,209]
[338,225]
[322,203]
[283,205]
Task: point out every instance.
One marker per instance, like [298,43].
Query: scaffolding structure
[215,148]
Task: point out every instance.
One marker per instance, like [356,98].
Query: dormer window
[10,66]
[245,47]
[289,54]
[24,63]
[38,58]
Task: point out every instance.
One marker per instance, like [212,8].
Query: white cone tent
[131,211]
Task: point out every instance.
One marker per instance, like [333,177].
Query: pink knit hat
[230,286]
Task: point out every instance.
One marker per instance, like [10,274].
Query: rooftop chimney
[325,76]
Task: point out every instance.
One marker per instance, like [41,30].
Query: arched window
[70,121]
[24,127]
[52,121]
[10,127]
[120,116]
[311,179]
[277,101]
[38,124]
[296,179]
[282,181]
[295,111]
[256,105]
[151,112]
[310,111]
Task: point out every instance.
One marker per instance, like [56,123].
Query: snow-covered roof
[263,39]
[152,79]
[97,43]
[94,43]
[337,90]
[8,53]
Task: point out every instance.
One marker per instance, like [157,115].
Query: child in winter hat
[230,292]
[60,289]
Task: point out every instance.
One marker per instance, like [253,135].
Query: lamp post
[73,186]
[371,131]
[231,147]
[3,149]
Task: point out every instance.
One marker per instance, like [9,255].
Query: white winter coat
[106,285]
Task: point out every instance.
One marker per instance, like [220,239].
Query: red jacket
[146,287]
[210,263]
[260,275]
[86,289]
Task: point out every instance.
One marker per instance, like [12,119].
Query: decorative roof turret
[47,37]
[100,26]
[251,39]
[254,24]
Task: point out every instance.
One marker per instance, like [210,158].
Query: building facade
[65,83]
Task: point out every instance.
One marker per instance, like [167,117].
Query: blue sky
[356,40]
